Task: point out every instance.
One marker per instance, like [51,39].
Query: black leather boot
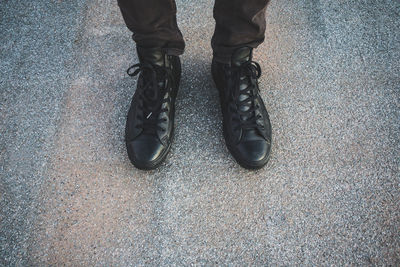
[150,123]
[246,124]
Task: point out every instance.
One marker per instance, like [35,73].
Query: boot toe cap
[145,152]
[253,154]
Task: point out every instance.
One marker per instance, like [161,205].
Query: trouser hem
[171,51]
[223,54]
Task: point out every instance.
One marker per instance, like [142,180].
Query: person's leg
[153,23]
[237,23]
[150,121]
[240,27]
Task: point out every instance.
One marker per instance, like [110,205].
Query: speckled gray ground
[329,195]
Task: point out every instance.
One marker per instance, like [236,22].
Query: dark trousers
[238,23]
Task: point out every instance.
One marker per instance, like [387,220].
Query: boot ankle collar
[241,55]
[155,56]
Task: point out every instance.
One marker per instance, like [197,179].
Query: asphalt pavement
[329,195]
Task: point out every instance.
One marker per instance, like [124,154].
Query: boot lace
[245,108]
[151,96]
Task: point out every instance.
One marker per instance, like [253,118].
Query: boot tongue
[151,55]
[241,56]
[156,57]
